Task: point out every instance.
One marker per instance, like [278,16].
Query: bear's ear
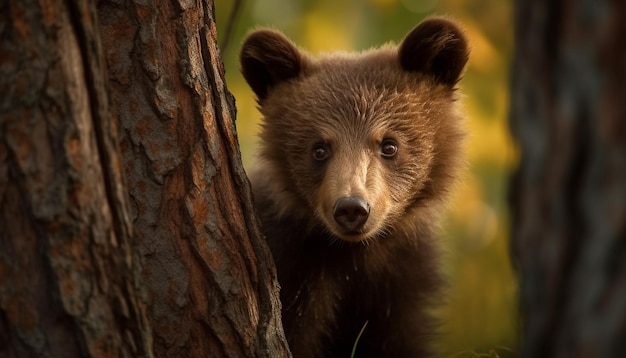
[268,58]
[438,47]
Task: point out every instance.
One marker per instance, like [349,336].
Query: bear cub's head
[360,144]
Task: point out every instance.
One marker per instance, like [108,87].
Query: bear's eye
[388,148]
[320,151]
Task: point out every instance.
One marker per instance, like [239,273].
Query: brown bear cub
[358,153]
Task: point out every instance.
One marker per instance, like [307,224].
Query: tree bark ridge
[179,142]
[65,287]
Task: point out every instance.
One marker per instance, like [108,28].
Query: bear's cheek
[305,180]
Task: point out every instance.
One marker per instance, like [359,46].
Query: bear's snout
[351,213]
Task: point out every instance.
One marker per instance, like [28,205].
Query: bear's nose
[351,212]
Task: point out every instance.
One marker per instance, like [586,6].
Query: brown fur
[333,281]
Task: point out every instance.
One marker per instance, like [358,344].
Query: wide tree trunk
[126,224]
[569,193]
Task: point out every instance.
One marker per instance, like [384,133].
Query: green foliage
[481,310]
[496,352]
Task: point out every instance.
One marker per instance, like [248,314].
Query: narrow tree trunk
[149,247]
[569,194]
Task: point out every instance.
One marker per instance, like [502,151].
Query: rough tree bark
[569,193]
[126,224]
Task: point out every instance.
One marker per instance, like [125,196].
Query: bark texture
[68,275]
[134,245]
[211,284]
[569,193]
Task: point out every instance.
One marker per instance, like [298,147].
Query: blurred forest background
[480,316]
